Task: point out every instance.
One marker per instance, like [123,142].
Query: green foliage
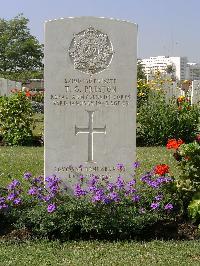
[80,219]
[159,120]
[20,52]
[140,71]
[142,92]
[16,119]
[194,209]
[188,156]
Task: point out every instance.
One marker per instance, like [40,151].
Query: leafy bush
[159,120]
[99,208]
[142,92]
[16,119]
[194,209]
[188,157]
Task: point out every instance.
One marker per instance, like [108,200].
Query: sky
[165,27]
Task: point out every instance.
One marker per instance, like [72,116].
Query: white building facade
[161,63]
[193,71]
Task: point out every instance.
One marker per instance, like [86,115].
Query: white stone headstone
[195,92]
[6,86]
[3,87]
[90,97]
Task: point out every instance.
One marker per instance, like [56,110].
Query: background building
[177,67]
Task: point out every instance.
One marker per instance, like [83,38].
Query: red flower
[174,144]
[161,169]
[28,94]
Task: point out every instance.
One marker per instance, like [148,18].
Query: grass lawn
[14,161]
[100,253]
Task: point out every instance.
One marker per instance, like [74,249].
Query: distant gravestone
[172,91]
[3,87]
[195,92]
[90,97]
[6,86]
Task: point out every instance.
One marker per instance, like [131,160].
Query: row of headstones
[7,86]
[193,92]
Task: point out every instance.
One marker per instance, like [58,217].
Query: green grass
[38,123]
[14,161]
[100,253]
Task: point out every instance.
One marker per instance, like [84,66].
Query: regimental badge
[91,51]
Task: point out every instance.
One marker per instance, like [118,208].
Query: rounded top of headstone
[92,17]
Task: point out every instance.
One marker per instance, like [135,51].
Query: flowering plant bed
[99,208]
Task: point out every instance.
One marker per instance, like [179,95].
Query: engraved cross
[90,130]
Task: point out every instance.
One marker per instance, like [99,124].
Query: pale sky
[166,27]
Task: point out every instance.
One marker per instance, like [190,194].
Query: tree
[170,69]
[140,71]
[20,53]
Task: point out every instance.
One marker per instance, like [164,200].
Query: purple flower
[11,196]
[47,198]
[51,207]
[106,200]
[120,182]
[114,196]
[33,191]
[81,177]
[78,191]
[145,178]
[27,176]
[136,164]
[92,181]
[92,188]
[159,197]
[136,198]
[13,184]
[3,206]
[154,205]
[2,200]
[168,206]
[17,201]
[98,196]
[120,166]
[110,186]
[52,181]
[54,189]
[131,183]
[153,183]
[38,180]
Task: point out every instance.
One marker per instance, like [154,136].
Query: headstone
[3,87]
[7,86]
[195,92]
[90,97]
[172,90]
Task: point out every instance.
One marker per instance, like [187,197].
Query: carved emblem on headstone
[91,51]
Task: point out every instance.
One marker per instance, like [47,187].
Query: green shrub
[16,119]
[99,208]
[194,209]
[188,180]
[159,120]
[76,219]
[142,92]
